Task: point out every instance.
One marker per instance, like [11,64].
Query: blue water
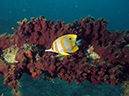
[116,12]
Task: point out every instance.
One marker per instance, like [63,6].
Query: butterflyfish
[65,44]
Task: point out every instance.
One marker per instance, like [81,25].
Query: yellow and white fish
[65,44]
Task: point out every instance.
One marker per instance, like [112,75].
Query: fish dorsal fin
[75,48]
[69,35]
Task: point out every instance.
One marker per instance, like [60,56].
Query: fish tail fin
[49,50]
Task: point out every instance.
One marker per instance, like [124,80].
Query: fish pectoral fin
[64,53]
[75,48]
[49,50]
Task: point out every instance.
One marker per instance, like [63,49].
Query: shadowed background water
[114,11]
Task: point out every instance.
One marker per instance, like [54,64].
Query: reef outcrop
[103,56]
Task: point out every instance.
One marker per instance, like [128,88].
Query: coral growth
[106,61]
[16,92]
[125,87]
[9,54]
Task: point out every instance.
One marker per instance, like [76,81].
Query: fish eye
[70,38]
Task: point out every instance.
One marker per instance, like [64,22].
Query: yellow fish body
[64,45]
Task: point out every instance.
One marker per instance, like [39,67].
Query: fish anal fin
[64,53]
